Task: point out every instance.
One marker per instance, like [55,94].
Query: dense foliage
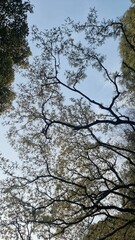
[14,49]
[116,228]
[127,49]
[73,146]
[6,98]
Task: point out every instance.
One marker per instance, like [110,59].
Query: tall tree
[127,52]
[14,49]
[71,145]
[127,49]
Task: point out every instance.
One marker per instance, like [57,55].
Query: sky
[49,13]
[52,13]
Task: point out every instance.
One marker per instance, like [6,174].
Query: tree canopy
[127,49]
[14,49]
[109,228]
[73,147]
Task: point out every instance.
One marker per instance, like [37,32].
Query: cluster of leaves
[14,49]
[127,49]
[114,228]
[72,147]
[6,98]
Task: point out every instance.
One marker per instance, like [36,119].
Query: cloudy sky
[51,13]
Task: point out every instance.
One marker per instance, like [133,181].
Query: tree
[6,98]
[72,147]
[127,49]
[133,1]
[127,52]
[109,226]
[14,49]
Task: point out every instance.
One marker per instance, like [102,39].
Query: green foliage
[127,49]
[71,145]
[14,49]
[6,98]
[13,33]
[117,228]
[6,70]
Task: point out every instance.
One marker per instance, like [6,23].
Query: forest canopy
[77,156]
[127,49]
[14,47]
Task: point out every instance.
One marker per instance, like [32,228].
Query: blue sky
[51,13]
[48,13]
